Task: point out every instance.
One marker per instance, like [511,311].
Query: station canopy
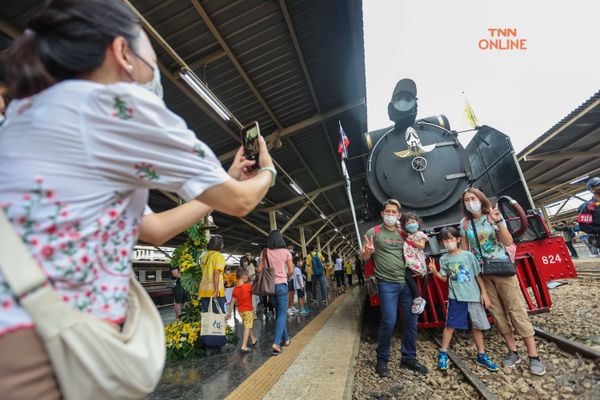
[295,66]
[557,165]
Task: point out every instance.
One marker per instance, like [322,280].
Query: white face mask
[451,245]
[473,206]
[155,85]
[390,220]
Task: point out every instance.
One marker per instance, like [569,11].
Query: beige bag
[91,358]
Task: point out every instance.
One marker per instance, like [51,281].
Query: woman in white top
[86,137]
[338,271]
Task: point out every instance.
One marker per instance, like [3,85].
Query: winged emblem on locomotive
[413,144]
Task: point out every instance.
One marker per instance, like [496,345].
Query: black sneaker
[381,368]
[414,365]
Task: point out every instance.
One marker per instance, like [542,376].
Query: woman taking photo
[85,138]
[507,303]
[278,257]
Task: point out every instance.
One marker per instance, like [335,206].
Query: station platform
[317,365]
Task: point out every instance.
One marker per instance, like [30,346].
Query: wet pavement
[215,376]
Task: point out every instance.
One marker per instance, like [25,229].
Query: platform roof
[568,152]
[295,66]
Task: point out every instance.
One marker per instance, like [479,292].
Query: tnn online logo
[502,39]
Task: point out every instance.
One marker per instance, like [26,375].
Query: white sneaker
[290,312]
[418,305]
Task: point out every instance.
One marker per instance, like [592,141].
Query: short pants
[248,319]
[300,293]
[291,285]
[460,311]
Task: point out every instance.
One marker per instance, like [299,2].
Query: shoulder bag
[264,285]
[91,358]
[494,267]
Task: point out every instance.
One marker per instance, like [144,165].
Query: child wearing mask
[414,257]
[467,297]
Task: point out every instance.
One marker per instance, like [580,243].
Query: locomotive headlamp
[404,102]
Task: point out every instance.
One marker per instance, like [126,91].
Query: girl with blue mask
[414,257]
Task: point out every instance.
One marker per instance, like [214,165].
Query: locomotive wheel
[509,207]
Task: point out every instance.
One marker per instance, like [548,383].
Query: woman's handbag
[212,326]
[264,285]
[494,267]
[91,358]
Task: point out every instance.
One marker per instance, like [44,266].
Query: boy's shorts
[300,293]
[248,319]
[460,311]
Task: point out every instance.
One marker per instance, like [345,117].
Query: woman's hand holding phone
[242,169]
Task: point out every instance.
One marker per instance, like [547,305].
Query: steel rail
[569,346]
[473,379]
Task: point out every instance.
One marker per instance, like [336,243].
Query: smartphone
[250,134]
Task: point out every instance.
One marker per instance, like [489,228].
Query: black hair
[67,39]
[406,217]
[335,256]
[449,233]
[241,272]
[275,240]
[215,243]
[296,259]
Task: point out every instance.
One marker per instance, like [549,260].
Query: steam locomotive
[422,164]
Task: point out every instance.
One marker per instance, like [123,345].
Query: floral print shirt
[77,162]
[487,237]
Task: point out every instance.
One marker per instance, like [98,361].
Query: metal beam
[298,213]
[9,29]
[589,173]
[211,26]
[559,130]
[300,198]
[302,242]
[316,233]
[314,221]
[561,156]
[329,241]
[244,220]
[554,185]
[212,57]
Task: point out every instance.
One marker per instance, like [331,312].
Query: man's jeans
[322,285]
[392,295]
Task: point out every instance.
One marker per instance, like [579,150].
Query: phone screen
[250,136]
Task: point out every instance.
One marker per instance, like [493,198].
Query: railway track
[569,346]
[471,377]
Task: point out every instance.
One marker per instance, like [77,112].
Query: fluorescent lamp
[323,216]
[336,229]
[296,188]
[579,180]
[254,244]
[204,92]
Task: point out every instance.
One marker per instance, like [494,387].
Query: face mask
[451,245]
[412,228]
[473,206]
[390,220]
[155,86]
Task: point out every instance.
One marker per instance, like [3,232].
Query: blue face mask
[412,228]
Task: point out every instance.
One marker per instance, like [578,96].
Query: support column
[302,241]
[329,251]
[319,244]
[272,220]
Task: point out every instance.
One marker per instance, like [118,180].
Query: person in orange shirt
[242,294]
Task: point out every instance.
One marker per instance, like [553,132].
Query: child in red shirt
[242,294]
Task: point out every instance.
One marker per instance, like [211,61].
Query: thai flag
[343,144]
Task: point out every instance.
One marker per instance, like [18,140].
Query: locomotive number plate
[551,259]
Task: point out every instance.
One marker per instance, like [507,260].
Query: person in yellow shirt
[316,262]
[213,266]
[348,268]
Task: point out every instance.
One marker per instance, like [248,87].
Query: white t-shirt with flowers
[77,161]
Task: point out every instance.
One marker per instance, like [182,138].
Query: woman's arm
[261,262]
[216,280]
[159,227]
[464,243]
[290,267]
[504,235]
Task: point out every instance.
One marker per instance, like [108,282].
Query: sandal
[287,343]
[245,351]
[275,352]
[254,343]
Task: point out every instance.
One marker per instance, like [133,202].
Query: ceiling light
[336,229]
[323,216]
[583,178]
[254,244]
[296,188]
[204,92]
